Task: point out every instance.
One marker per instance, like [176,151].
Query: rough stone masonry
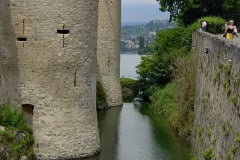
[216,133]
[108,50]
[48,67]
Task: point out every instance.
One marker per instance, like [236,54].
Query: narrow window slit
[23,25]
[63,31]
[75,79]
[108,62]
[21,39]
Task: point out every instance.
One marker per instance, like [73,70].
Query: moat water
[127,134]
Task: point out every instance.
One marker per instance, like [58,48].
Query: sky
[142,11]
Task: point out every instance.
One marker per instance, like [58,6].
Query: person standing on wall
[203,24]
[230,30]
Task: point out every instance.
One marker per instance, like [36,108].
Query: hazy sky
[141,11]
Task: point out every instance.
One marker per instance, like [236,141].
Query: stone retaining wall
[217,117]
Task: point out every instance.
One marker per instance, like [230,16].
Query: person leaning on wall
[230,30]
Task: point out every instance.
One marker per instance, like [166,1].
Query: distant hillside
[143,29]
[132,23]
[132,33]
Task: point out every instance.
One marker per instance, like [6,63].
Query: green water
[127,134]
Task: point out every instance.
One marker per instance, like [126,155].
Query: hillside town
[134,37]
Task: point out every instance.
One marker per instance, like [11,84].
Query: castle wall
[8,56]
[216,133]
[108,49]
[48,60]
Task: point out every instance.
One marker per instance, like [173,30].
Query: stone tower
[48,67]
[108,49]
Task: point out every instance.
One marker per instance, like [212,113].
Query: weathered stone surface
[3,152]
[217,115]
[2,128]
[48,60]
[108,50]
[23,158]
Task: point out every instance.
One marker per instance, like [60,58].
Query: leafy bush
[172,64]
[153,70]
[215,25]
[12,118]
[129,89]
[157,69]
[163,100]
[17,138]
[101,97]
[171,39]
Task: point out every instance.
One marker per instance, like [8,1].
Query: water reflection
[126,134]
[108,130]
[137,140]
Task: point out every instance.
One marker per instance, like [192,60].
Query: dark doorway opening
[28,111]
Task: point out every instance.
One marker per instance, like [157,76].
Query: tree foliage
[168,76]
[155,70]
[187,11]
[129,89]
[164,100]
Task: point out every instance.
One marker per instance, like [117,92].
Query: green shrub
[234,100]
[208,154]
[15,123]
[217,77]
[215,24]
[101,97]
[157,69]
[163,100]
[237,81]
[129,89]
[12,118]
[184,78]
[232,152]
[174,38]
[152,89]
[237,139]
[200,132]
[229,156]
